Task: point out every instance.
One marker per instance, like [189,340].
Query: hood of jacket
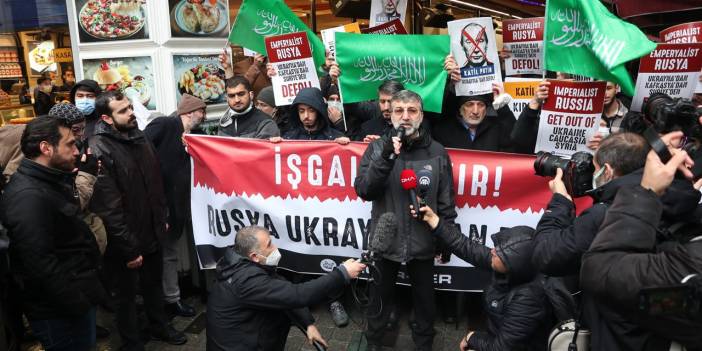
[515,246]
[312,97]
[134,135]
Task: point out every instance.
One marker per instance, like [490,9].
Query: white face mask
[596,176]
[273,258]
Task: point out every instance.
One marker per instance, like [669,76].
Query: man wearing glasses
[243,119]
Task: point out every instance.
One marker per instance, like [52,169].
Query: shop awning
[21,15]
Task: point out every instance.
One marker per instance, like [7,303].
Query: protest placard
[393,27]
[328,36]
[291,58]
[570,116]
[524,38]
[671,69]
[684,33]
[383,11]
[473,47]
[522,91]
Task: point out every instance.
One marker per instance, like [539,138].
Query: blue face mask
[86,105]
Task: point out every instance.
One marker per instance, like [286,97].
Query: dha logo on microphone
[409,179]
[424,180]
[327,265]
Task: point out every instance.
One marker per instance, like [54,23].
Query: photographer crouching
[644,266]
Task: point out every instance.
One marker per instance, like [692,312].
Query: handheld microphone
[399,132]
[423,187]
[408,180]
[384,233]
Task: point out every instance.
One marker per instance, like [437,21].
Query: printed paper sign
[473,47]
[570,116]
[524,38]
[673,69]
[522,91]
[393,27]
[300,186]
[383,11]
[291,58]
[328,36]
[684,33]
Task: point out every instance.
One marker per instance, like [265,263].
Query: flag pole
[543,71]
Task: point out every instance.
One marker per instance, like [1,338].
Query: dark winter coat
[313,98]
[53,253]
[492,134]
[91,119]
[376,126]
[43,102]
[251,307]
[253,124]
[525,131]
[626,257]
[128,195]
[519,315]
[165,134]
[378,180]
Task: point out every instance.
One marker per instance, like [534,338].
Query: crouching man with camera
[645,270]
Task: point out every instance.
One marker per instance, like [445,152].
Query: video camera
[577,172]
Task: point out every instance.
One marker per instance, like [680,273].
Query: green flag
[258,19]
[583,37]
[417,61]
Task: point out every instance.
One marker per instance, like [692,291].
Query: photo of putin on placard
[390,10]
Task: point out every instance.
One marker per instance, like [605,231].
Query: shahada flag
[583,37]
[303,193]
[258,19]
[416,61]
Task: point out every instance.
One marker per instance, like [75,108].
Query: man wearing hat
[166,135]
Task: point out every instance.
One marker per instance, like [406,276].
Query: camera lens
[546,164]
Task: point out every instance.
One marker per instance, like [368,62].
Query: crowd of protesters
[94,209]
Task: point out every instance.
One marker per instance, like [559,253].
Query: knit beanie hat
[266,95]
[333,90]
[189,103]
[67,112]
[485,98]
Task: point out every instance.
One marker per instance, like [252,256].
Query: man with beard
[53,254]
[379,124]
[379,181]
[129,198]
[166,135]
[69,80]
[243,119]
[389,11]
[309,119]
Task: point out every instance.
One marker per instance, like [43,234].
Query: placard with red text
[684,33]
[291,57]
[524,38]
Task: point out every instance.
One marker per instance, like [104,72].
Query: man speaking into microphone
[380,179]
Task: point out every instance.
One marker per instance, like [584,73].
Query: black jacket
[492,134]
[53,253]
[165,134]
[253,124]
[251,307]
[128,195]
[519,315]
[626,257]
[313,98]
[525,131]
[379,181]
[91,119]
[43,102]
[375,126]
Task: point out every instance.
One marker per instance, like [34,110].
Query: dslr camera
[666,114]
[577,172]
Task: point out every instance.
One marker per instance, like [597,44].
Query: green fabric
[417,61]
[258,19]
[583,37]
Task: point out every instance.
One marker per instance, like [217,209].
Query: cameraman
[626,256]
[561,238]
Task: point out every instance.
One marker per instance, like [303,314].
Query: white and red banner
[303,193]
[393,27]
[524,38]
[684,33]
[291,57]
[473,46]
[673,69]
[570,116]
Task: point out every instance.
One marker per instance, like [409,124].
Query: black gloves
[89,166]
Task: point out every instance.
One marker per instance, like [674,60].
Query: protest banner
[393,27]
[570,116]
[524,38]
[367,60]
[473,47]
[303,193]
[383,11]
[328,36]
[522,91]
[672,69]
[291,58]
[684,33]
